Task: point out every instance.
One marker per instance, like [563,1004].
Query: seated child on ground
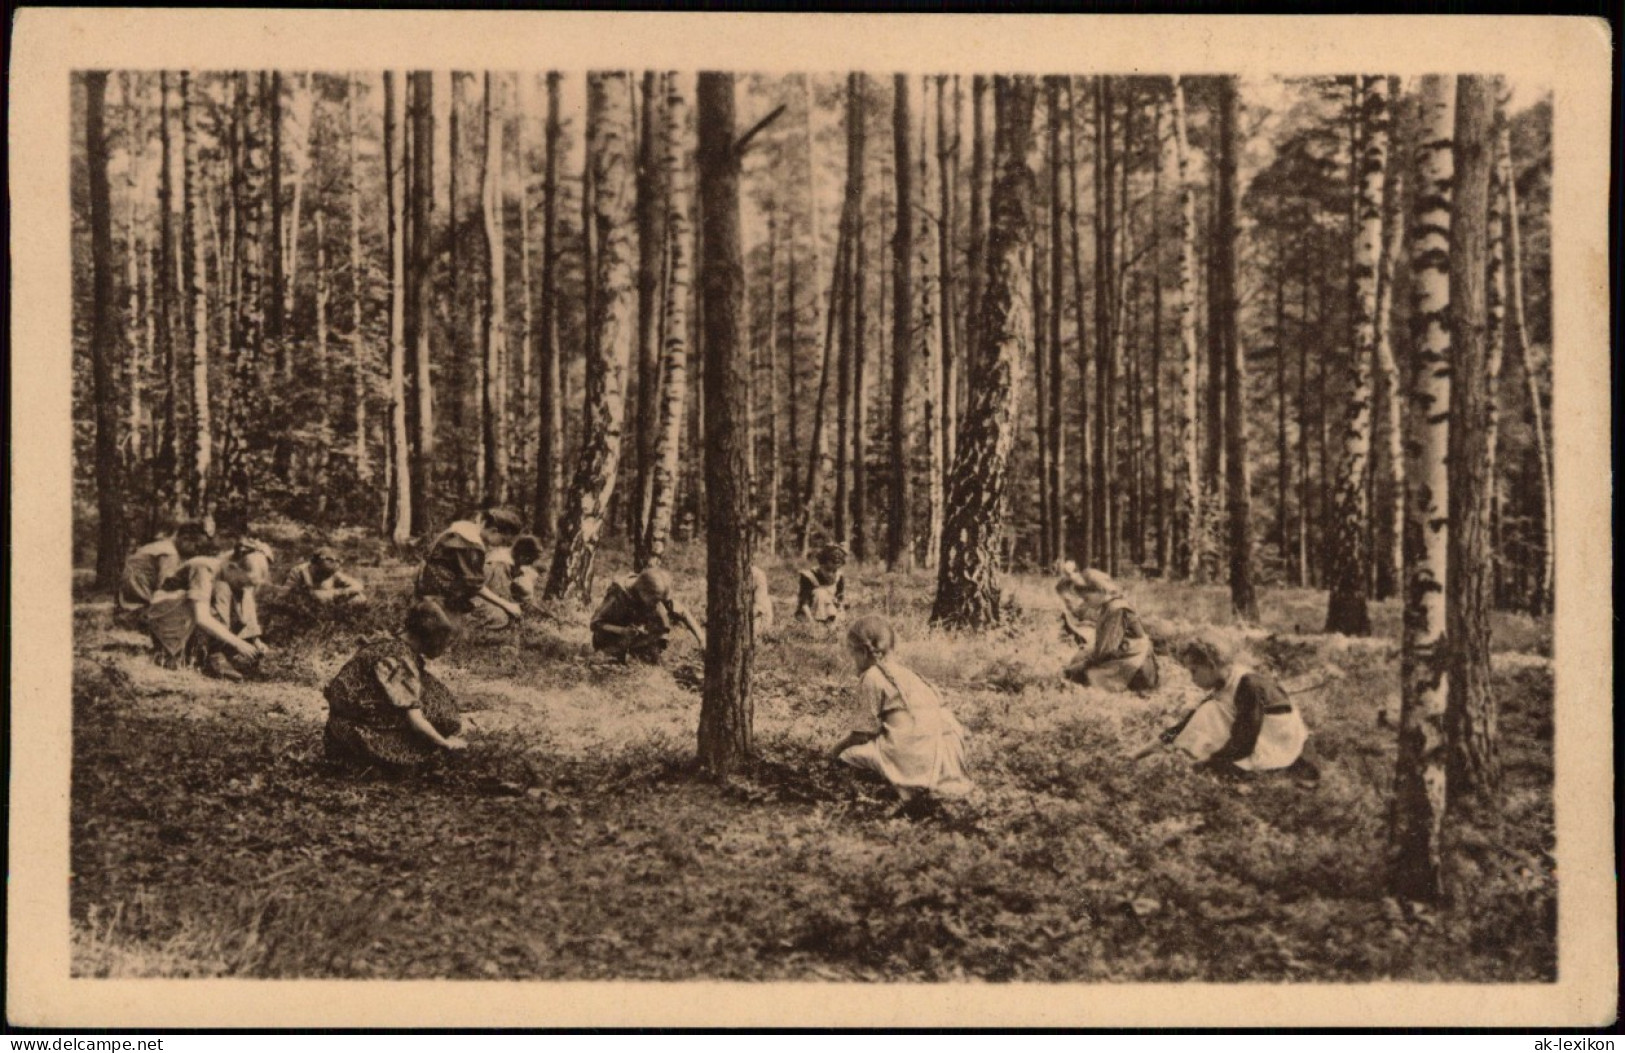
[385,708]
[319,584]
[501,568]
[1248,723]
[1114,651]
[207,612]
[822,589]
[527,580]
[453,571]
[637,617]
[918,746]
[147,567]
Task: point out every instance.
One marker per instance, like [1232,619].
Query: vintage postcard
[687,520]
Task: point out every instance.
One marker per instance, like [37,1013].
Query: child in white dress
[919,747]
[1247,724]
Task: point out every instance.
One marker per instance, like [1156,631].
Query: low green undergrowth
[211,838]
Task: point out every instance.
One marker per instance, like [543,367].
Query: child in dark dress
[1115,652]
[385,708]
[638,615]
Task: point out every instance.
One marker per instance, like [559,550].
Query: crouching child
[1246,725]
[918,747]
[384,708]
[637,617]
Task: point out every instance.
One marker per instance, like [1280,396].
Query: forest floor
[210,837]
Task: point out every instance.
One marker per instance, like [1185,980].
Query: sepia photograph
[818,523]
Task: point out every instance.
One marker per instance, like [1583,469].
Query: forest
[1273,352]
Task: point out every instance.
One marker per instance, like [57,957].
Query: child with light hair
[1114,650]
[207,612]
[637,617]
[918,747]
[1247,723]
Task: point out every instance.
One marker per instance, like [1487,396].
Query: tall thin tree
[1416,829]
[104,339]
[494,400]
[550,411]
[399,518]
[199,431]
[726,710]
[899,521]
[610,153]
[419,412]
[651,258]
[1238,500]
[674,369]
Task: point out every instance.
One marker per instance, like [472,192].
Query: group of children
[199,602]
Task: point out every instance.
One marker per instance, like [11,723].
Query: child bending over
[918,746]
[1247,723]
[385,708]
[638,615]
[1114,651]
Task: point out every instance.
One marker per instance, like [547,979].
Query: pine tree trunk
[820,461]
[1104,495]
[823,310]
[1123,350]
[301,162]
[1346,610]
[610,152]
[792,356]
[199,449]
[772,427]
[1238,501]
[1189,505]
[968,579]
[851,291]
[1303,573]
[858,298]
[1495,330]
[931,355]
[245,402]
[104,339]
[1470,719]
[1041,400]
[457,354]
[550,411]
[419,419]
[979,203]
[1392,570]
[1541,600]
[726,710]
[674,371]
[1159,479]
[1057,269]
[1283,463]
[1086,447]
[495,336]
[1416,831]
[358,343]
[947,180]
[529,343]
[400,508]
[899,520]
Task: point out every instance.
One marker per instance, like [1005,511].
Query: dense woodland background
[1280,333]
[250,276]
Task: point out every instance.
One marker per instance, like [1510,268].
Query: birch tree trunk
[1238,500]
[651,257]
[1346,609]
[199,431]
[1471,718]
[1189,511]
[1392,571]
[726,710]
[324,425]
[1541,601]
[495,342]
[968,579]
[610,151]
[899,521]
[167,322]
[550,411]
[1495,330]
[358,343]
[1416,830]
[674,369]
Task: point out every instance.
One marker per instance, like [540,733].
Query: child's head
[526,551]
[499,526]
[1208,655]
[832,557]
[428,628]
[194,538]
[869,640]
[652,586]
[249,565]
[324,560]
